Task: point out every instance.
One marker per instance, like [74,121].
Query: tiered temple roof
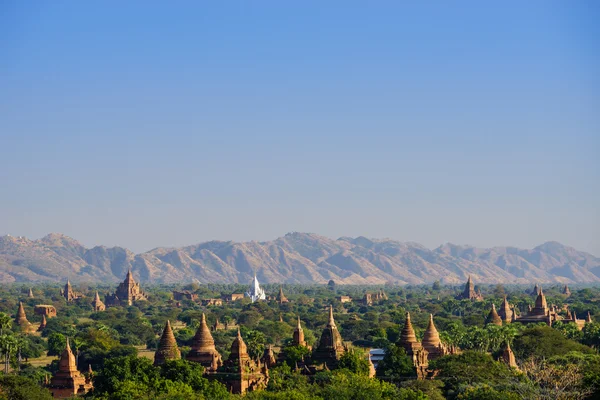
[268,357]
[505,312]
[167,346]
[330,348]
[408,338]
[281,297]
[69,294]
[97,304]
[256,292]
[493,317]
[298,337]
[21,320]
[203,347]
[239,372]
[469,293]
[128,292]
[68,381]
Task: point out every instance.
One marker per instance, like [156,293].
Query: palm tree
[21,343]
[77,343]
[5,322]
[8,345]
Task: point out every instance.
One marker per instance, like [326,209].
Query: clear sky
[146,123]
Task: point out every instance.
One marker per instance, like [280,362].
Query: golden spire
[408,333]
[431,337]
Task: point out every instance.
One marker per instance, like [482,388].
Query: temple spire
[331,320]
[167,347]
[431,337]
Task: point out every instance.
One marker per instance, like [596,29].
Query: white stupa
[256,293]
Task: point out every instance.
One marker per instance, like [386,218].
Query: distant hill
[294,258]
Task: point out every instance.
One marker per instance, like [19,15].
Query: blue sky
[147,124]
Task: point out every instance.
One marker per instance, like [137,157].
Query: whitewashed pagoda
[256,292]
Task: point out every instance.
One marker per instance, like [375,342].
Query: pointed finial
[299,326]
[203,318]
[331,320]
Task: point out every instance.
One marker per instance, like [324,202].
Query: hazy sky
[147,124]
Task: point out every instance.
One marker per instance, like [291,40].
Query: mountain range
[294,258]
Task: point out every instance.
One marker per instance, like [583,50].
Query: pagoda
[540,312]
[536,290]
[509,357]
[97,304]
[68,381]
[298,336]
[30,294]
[506,313]
[566,291]
[268,357]
[330,348]
[493,317]
[239,372]
[469,293]
[127,292]
[281,297]
[69,294]
[167,347]
[256,292]
[42,324]
[408,338]
[203,348]
[21,320]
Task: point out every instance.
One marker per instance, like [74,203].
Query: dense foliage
[560,361]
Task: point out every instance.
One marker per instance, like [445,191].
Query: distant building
[68,381]
[184,295]
[69,294]
[330,348]
[566,291]
[430,348]
[127,293]
[167,347]
[97,304]
[21,320]
[281,297]
[493,317]
[469,293]
[203,349]
[45,309]
[256,292]
[239,372]
[233,297]
[212,302]
[344,299]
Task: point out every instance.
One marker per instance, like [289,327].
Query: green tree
[8,347]
[295,354]
[56,343]
[5,322]
[21,388]
[543,341]
[591,334]
[354,361]
[472,368]
[396,364]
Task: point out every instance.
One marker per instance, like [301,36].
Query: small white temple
[256,292]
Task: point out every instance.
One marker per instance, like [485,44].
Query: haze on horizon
[143,125]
